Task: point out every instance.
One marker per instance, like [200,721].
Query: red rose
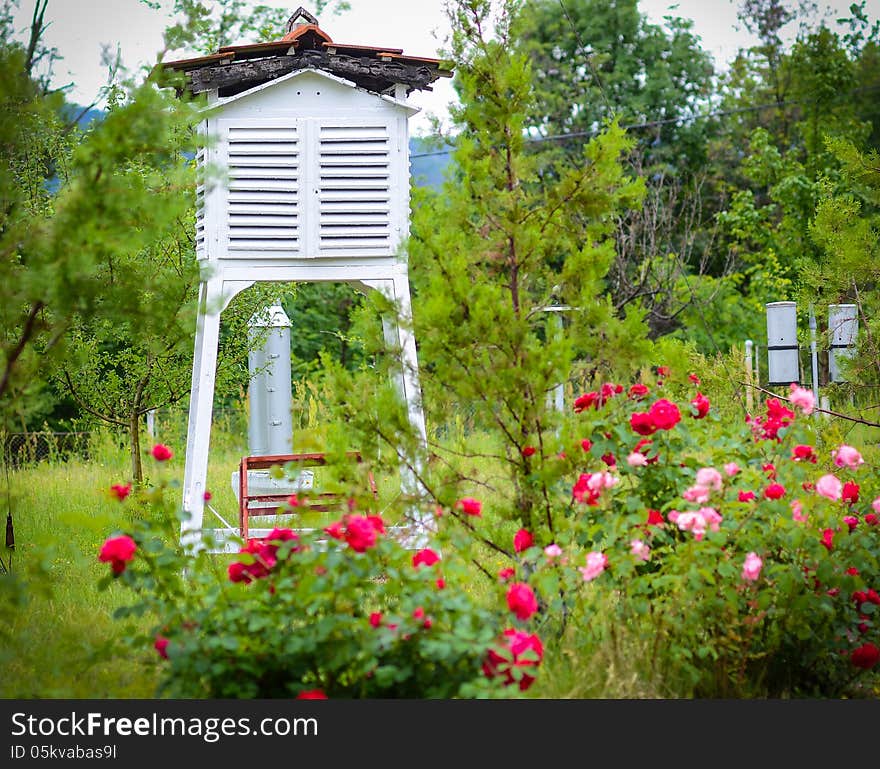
[586,444]
[850,492]
[803,453]
[528,451]
[638,391]
[769,470]
[664,414]
[121,490]
[521,600]
[312,694]
[117,551]
[377,523]
[701,404]
[609,459]
[865,657]
[522,540]
[469,506]
[774,491]
[375,619]
[506,574]
[694,378]
[335,530]
[828,539]
[238,572]
[518,651]
[871,519]
[427,557]
[655,518]
[642,423]
[161,646]
[662,370]
[746,496]
[441,583]
[360,533]
[161,452]
[586,401]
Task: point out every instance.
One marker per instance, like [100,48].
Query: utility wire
[663,121]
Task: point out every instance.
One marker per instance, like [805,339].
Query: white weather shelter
[312,138]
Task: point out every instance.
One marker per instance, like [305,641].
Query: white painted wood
[315,188]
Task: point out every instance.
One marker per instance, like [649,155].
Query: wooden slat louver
[200,205]
[262,211]
[354,188]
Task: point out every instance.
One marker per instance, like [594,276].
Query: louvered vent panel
[354,188]
[263,194]
[200,205]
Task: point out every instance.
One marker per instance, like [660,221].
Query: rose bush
[346,612]
[733,547]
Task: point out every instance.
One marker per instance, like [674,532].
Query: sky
[81,28]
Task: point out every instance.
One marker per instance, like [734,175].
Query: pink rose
[521,600]
[470,506]
[553,551]
[636,459]
[731,468]
[876,505]
[522,540]
[640,550]
[846,456]
[752,567]
[698,494]
[797,511]
[596,564]
[117,551]
[829,486]
[709,478]
[161,452]
[802,398]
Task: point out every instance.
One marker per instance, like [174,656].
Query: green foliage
[350,621]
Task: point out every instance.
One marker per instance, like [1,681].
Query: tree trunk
[134,435]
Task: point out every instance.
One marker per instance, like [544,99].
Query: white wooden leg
[400,337]
[200,411]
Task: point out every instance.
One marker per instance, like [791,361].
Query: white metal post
[750,398]
[814,358]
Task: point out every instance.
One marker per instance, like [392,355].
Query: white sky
[79,28]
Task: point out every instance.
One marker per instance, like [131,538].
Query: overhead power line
[661,122]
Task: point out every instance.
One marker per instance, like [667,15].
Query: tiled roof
[306,44]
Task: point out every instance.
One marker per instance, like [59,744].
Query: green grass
[58,636]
